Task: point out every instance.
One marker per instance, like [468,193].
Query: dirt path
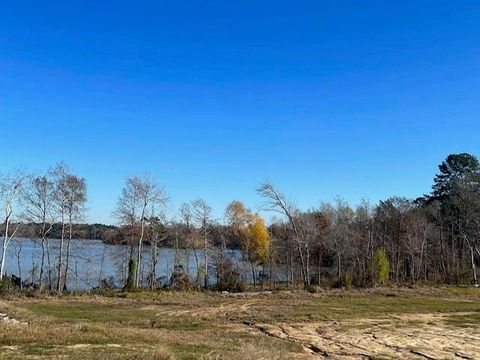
[394,338]
[220,310]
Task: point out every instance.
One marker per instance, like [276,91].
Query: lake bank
[93,261]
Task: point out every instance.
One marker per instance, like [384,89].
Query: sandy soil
[386,324]
[428,338]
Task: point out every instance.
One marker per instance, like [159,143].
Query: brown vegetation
[422,323]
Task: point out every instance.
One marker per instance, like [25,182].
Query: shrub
[327,282]
[179,279]
[228,279]
[5,286]
[380,267]
[107,283]
[312,289]
[348,280]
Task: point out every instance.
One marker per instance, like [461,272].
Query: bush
[107,283]
[327,282]
[380,267]
[228,279]
[348,280]
[312,289]
[179,279]
[5,286]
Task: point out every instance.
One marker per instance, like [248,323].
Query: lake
[92,260]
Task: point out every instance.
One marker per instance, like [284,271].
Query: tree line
[57,196]
[432,239]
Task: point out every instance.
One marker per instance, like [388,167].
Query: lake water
[92,260]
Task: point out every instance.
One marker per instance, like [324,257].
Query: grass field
[424,323]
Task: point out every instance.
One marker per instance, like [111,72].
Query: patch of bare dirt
[412,337]
[205,312]
[88,346]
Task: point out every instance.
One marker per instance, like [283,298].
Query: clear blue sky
[355,98]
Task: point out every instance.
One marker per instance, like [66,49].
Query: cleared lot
[423,323]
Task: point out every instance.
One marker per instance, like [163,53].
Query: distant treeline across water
[81,231]
[432,238]
[95,264]
[118,235]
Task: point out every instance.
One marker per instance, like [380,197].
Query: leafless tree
[417,231]
[363,234]
[39,202]
[312,224]
[138,196]
[18,245]
[466,200]
[157,234]
[189,233]
[340,217]
[60,195]
[10,195]
[201,212]
[75,189]
[277,202]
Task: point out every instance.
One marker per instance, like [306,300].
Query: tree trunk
[4,248]
[205,255]
[307,265]
[254,277]
[319,267]
[42,264]
[140,246]
[49,263]
[67,259]
[339,269]
[474,269]
[60,255]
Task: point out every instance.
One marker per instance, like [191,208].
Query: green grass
[193,325]
[330,307]
[190,351]
[178,325]
[86,311]
[464,320]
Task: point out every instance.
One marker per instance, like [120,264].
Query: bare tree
[75,200]
[10,194]
[139,195]
[277,202]
[340,217]
[60,197]
[201,213]
[39,202]
[363,240]
[465,199]
[189,233]
[17,244]
[157,234]
[312,224]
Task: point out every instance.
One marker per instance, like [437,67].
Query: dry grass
[191,325]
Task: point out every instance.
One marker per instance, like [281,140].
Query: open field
[425,323]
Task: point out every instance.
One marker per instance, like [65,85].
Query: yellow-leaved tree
[257,245]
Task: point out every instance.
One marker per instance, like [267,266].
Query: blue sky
[361,99]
